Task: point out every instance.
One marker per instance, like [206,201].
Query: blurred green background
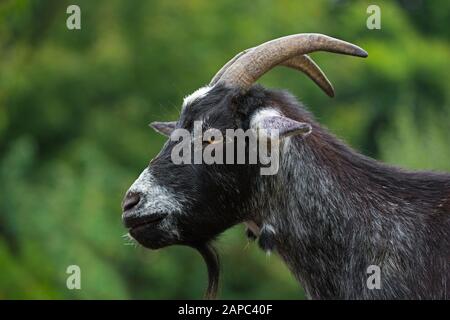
[74,109]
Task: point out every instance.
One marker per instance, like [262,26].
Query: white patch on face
[197,94]
[155,198]
[259,115]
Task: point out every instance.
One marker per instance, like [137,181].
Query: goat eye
[212,140]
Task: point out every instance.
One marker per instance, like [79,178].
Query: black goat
[329,212]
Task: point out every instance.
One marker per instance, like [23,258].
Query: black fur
[211,259]
[332,211]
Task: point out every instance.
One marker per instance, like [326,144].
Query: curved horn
[307,65]
[247,68]
[301,63]
[226,66]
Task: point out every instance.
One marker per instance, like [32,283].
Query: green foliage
[74,108]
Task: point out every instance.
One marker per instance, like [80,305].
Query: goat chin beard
[211,258]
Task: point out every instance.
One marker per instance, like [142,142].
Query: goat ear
[286,127]
[164,128]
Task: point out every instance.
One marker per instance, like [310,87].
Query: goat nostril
[131,200]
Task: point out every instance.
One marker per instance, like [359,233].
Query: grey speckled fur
[336,212]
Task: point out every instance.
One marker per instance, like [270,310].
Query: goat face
[190,203]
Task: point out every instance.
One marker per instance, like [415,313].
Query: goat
[329,212]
